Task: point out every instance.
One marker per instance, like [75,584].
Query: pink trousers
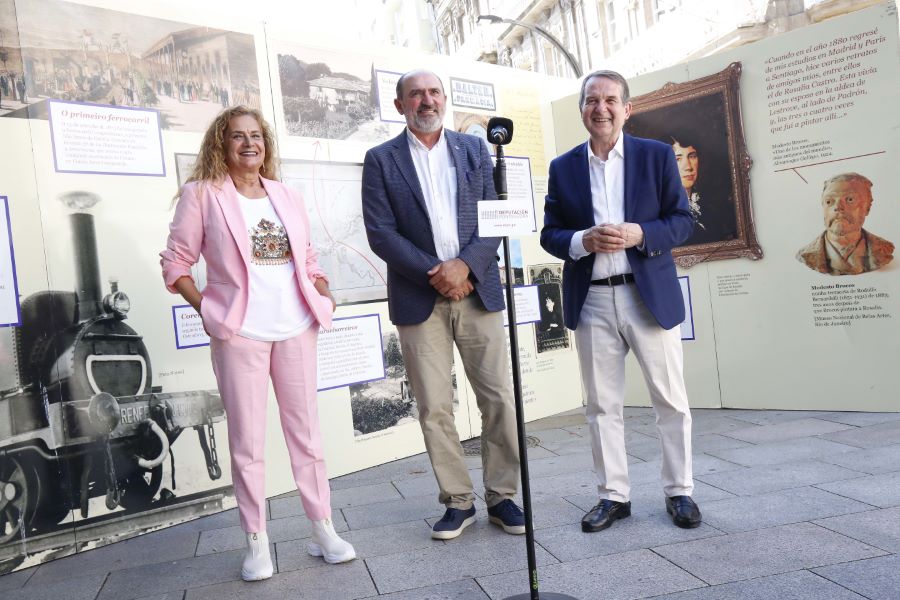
[243,368]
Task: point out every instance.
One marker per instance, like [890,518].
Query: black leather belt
[614,280]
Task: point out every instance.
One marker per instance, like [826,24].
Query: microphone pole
[500,133]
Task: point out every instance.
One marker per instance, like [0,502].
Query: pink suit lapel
[227,196]
[290,219]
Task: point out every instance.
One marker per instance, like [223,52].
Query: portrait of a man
[845,247]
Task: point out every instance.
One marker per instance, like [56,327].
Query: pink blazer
[208,221]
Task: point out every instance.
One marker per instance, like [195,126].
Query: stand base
[542,596]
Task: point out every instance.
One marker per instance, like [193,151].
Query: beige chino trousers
[428,353]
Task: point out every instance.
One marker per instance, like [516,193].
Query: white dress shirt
[608,199]
[437,177]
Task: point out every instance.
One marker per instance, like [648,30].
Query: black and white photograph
[550,332]
[85,54]
[92,448]
[331,95]
[384,403]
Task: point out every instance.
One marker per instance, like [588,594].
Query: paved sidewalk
[796,505]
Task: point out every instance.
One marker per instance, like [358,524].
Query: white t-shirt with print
[276,309]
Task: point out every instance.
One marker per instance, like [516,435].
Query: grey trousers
[428,353]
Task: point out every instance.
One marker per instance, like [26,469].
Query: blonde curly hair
[210,164]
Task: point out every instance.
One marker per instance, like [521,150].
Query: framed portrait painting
[701,120]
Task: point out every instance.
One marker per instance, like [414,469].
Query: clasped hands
[451,279]
[609,237]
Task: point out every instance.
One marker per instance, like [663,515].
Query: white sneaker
[327,544]
[257,562]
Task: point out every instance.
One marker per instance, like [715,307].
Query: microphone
[500,130]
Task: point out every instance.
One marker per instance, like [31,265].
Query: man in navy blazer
[420,192]
[614,210]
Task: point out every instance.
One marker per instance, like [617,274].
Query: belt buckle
[621,279]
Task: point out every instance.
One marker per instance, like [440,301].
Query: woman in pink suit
[262,306]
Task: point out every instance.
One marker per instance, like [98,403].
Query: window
[623,21]
[661,8]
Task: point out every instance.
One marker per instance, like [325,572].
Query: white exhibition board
[774,333]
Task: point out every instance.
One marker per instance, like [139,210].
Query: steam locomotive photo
[82,418]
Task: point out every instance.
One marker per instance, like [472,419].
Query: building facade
[630,36]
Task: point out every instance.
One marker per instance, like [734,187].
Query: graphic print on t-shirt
[269,244]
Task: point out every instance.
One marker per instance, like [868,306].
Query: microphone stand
[534,594]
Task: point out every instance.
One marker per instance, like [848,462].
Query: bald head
[413,73]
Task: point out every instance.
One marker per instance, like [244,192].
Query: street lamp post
[573,62]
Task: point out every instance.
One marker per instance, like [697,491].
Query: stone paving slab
[161,546]
[770,417]
[556,465]
[872,436]
[279,530]
[878,490]
[861,419]
[227,518]
[574,448]
[876,578]
[703,464]
[344,498]
[778,432]
[638,574]
[377,541]
[559,436]
[771,478]
[408,570]
[417,487]
[879,528]
[182,574]
[782,452]
[652,450]
[346,581]
[76,587]
[797,585]
[747,513]
[873,461]
[397,511]
[568,543]
[700,426]
[176,595]
[466,589]
[404,468]
[13,581]
[764,552]
[580,482]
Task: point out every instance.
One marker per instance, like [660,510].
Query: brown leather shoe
[685,512]
[602,516]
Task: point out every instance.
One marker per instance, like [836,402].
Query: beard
[425,122]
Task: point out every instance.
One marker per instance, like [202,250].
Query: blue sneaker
[508,516]
[452,523]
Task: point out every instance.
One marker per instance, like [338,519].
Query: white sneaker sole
[315,550]
[255,576]
[449,535]
[511,529]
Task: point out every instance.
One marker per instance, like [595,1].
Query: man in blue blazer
[614,210]
[420,192]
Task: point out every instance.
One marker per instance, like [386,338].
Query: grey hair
[613,75]
[403,77]
[849,177]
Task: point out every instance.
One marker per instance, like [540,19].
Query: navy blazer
[654,199]
[399,229]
